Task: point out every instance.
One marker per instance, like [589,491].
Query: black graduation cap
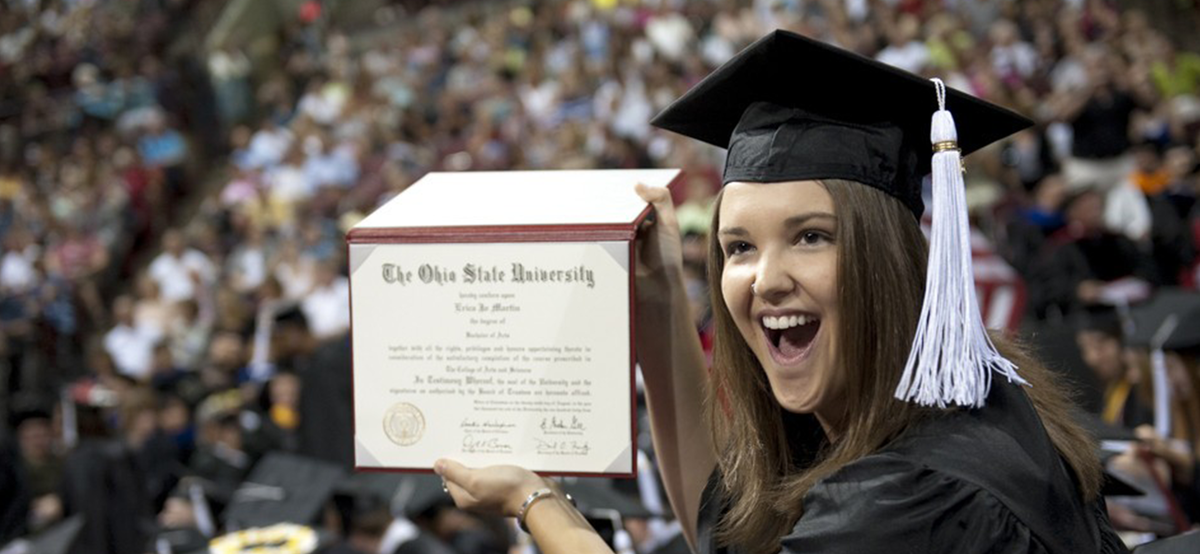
[282,488]
[420,494]
[1104,431]
[1101,318]
[592,494]
[1149,318]
[378,487]
[792,108]
[57,539]
[1187,543]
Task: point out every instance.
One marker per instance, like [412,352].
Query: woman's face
[780,285]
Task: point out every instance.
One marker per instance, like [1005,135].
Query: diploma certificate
[493,353]
[492,318]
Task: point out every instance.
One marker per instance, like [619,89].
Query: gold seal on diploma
[404,424]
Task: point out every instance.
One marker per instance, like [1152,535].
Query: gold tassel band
[944,146]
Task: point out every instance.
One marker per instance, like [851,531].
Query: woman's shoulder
[887,502]
[992,474]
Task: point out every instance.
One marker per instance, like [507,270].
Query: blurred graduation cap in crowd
[60,538]
[1174,313]
[1104,431]
[597,495]
[1187,543]
[370,488]
[1170,320]
[1113,441]
[420,495]
[1104,319]
[282,488]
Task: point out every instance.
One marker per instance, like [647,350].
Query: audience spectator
[130,345]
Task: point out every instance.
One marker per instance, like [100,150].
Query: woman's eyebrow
[793,221]
[732,232]
[801,219]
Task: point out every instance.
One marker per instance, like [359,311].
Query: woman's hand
[660,249]
[496,490]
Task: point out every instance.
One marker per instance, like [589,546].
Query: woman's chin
[798,403]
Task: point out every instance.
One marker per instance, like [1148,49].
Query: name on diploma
[491,322]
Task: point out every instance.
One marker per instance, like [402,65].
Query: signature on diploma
[554,423]
[491,425]
[491,445]
[562,447]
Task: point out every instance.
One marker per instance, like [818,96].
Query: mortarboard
[282,488]
[1187,543]
[791,108]
[1102,318]
[378,487]
[1169,321]
[1110,436]
[420,494]
[59,538]
[1168,304]
[593,494]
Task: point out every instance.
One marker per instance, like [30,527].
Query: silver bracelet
[531,499]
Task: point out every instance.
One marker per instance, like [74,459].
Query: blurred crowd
[144,396]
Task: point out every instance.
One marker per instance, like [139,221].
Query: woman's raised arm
[672,361]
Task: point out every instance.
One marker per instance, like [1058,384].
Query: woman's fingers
[660,198]
[659,248]
[495,489]
[455,475]
[451,471]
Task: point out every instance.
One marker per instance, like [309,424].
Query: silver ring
[445,487]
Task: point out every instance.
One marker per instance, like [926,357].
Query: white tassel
[952,357]
[1158,374]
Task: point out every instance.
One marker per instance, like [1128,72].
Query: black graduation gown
[326,430]
[977,481]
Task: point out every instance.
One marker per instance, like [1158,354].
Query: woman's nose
[773,280]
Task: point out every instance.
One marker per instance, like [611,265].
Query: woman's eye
[737,247]
[813,238]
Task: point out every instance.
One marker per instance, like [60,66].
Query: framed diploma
[492,319]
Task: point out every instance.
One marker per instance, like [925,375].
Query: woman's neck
[831,425]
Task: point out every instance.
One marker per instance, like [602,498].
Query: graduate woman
[855,402]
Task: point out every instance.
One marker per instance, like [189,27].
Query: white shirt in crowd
[911,57]
[268,146]
[132,348]
[1019,58]
[328,309]
[289,183]
[17,273]
[174,274]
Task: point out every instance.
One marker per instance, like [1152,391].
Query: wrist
[517,500]
[538,499]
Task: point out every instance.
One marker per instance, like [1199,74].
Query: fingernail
[439,467]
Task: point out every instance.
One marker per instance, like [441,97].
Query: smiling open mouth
[790,337]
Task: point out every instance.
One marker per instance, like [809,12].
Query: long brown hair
[881,275]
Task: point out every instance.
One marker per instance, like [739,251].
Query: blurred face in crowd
[1050,192]
[35,438]
[173,242]
[1087,211]
[123,310]
[780,285]
[1102,353]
